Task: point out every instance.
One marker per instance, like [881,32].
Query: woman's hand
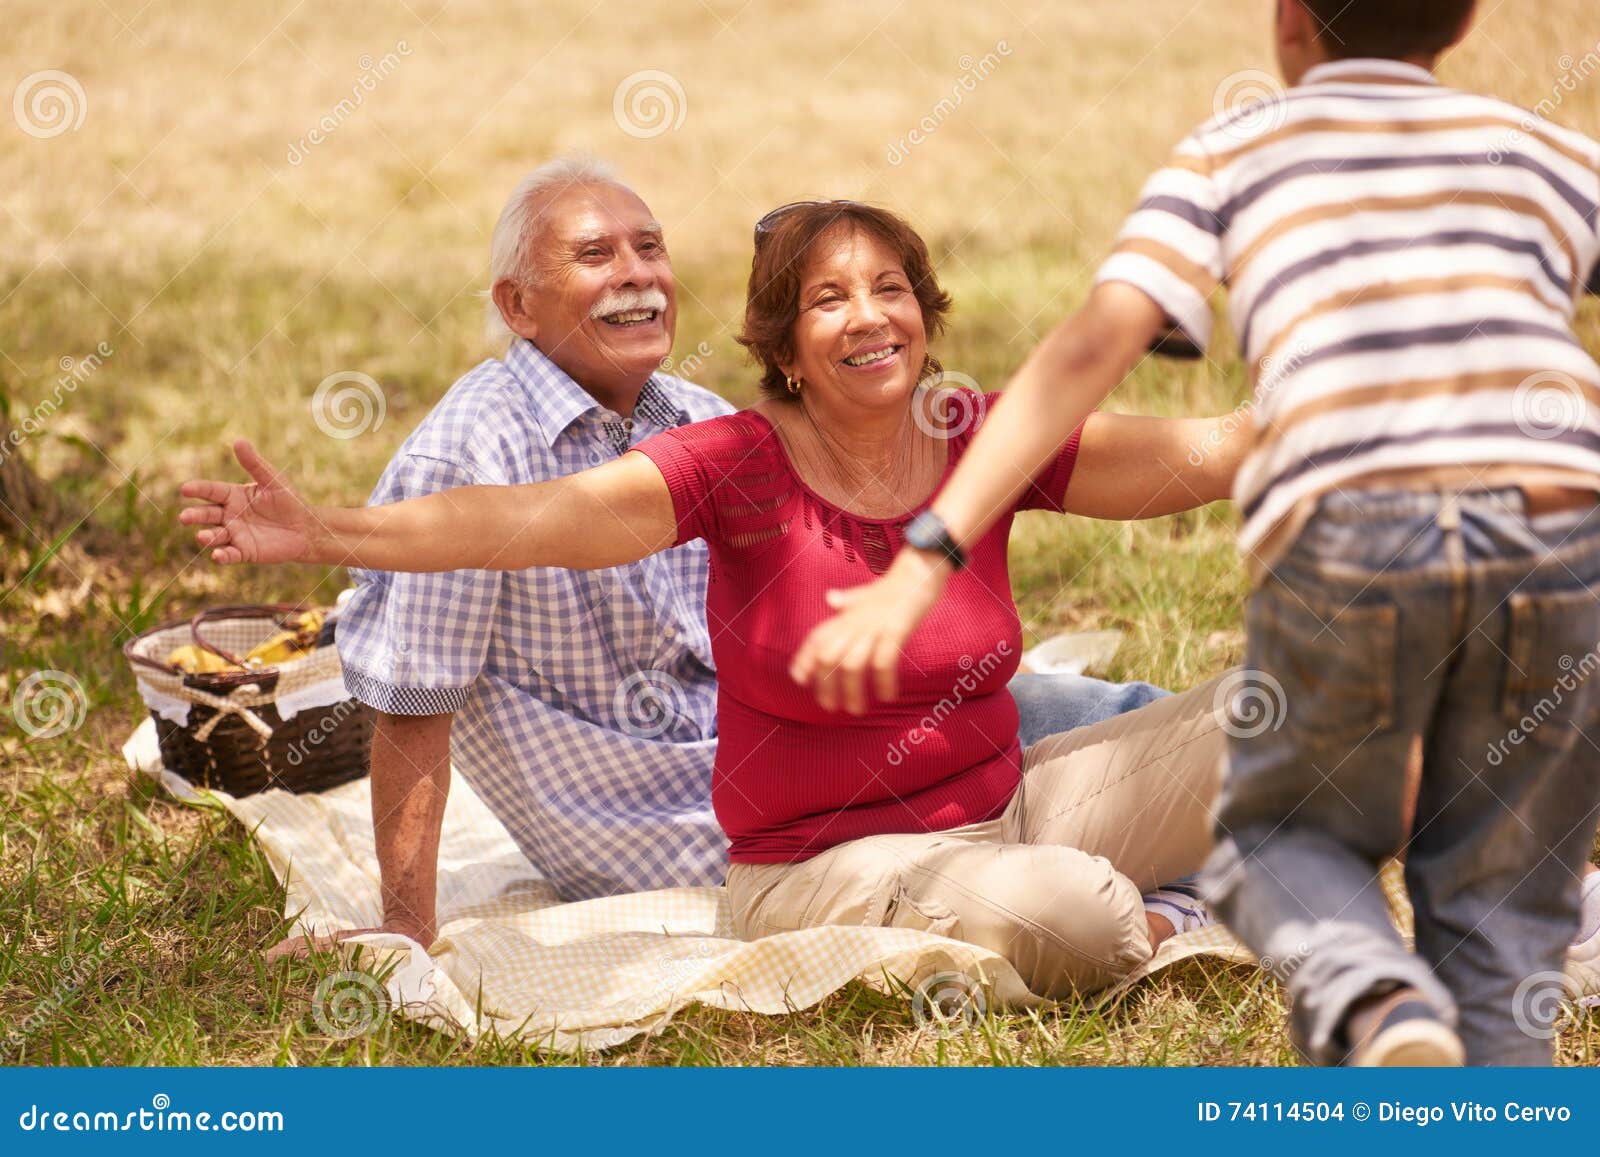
[865,639]
[261,521]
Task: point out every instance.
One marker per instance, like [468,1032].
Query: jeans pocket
[1334,667]
[1549,693]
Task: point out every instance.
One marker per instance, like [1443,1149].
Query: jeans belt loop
[1450,512]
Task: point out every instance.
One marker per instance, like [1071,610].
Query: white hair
[511,248]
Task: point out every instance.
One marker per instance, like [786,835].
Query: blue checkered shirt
[584,701]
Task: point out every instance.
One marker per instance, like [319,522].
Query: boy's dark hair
[1391,29]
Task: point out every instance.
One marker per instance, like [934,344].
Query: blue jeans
[1051,704]
[1457,624]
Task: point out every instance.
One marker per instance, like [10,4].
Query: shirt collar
[1371,69]
[557,401]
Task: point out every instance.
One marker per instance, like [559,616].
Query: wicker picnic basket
[225,730]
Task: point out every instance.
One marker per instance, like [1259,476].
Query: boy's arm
[1063,380]
[1069,374]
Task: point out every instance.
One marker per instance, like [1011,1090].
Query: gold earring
[794,385]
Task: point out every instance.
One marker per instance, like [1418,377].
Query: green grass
[161,911]
[229,284]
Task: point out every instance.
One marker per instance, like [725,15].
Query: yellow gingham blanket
[512,959]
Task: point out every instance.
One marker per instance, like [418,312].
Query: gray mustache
[628,300]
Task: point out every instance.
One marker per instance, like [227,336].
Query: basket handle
[243,611]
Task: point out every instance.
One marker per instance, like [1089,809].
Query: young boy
[1419,509]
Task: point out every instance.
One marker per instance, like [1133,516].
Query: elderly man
[579,705]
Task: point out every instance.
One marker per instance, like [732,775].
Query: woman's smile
[874,358]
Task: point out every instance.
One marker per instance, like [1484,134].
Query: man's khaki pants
[1104,814]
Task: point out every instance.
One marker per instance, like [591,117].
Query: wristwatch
[927,531]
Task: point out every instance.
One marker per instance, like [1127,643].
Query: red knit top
[790,779]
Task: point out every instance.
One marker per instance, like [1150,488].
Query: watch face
[927,531]
[922,534]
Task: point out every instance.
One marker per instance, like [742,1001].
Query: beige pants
[1104,814]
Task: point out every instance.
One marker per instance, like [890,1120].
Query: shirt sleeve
[414,644]
[1591,285]
[1170,249]
[707,466]
[1049,488]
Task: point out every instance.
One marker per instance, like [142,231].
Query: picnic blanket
[511,958]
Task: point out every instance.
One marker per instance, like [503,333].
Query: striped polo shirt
[1403,263]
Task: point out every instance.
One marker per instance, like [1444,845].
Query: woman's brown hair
[784,241]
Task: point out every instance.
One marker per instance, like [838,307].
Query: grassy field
[235,202]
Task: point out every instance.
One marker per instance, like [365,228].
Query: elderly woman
[920,813]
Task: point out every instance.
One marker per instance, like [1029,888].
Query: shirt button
[594,456]
[670,633]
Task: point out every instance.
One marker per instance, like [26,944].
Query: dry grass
[228,282]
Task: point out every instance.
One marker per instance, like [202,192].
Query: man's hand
[299,947]
[260,521]
[865,639]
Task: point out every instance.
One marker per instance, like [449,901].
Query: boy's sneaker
[1583,958]
[1409,1035]
[1180,903]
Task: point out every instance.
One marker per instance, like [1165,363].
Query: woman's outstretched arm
[1130,466]
[608,516]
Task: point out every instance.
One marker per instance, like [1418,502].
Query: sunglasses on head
[766,224]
